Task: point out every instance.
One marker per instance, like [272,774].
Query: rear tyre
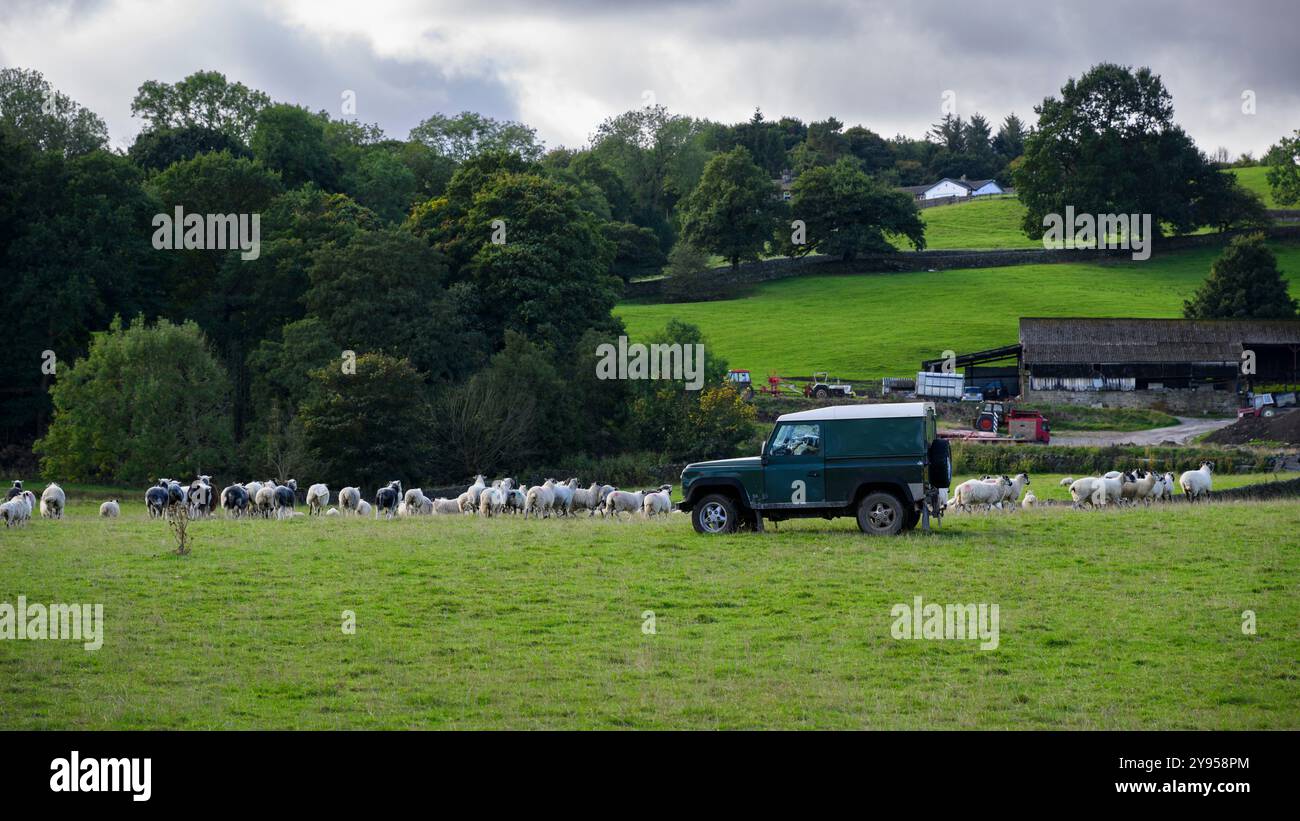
[881,514]
[715,514]
[821,393]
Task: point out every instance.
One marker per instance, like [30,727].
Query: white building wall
[946,188]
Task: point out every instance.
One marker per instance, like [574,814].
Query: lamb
[1197,483]
[110,509]
[318,498]
[251,488]
[1113,488]
[587,499]
[15,512]
[463,501]
[53,502]
[334,511]
[1011,488]
[403,510]
[1030,500]
[349,500]
[977,492]
[363,508]
[621,501]
[1066,482]
[659,502]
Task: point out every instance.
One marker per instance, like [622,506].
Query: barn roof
[1070,340]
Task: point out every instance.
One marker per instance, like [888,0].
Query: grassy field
[863,327]
[1256,179]
[985,223]
[464,623]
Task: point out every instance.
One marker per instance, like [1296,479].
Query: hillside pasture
[873,325]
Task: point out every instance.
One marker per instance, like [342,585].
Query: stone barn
[1185,365]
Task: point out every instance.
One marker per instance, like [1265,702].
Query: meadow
[873,325]
[1108,620]
[1256,179]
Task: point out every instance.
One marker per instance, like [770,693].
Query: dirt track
[1186,429]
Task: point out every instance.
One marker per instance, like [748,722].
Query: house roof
[1074,340]
[884,410]
[971,185]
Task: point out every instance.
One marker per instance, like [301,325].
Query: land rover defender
[883,464]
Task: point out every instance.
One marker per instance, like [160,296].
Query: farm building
[949,188]
[1183,364]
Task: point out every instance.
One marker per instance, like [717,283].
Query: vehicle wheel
[821,393]
[1269,414]
[715,514]
[881,514]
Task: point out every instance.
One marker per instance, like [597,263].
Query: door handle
[814,473]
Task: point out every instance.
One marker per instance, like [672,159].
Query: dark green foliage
[1244,283]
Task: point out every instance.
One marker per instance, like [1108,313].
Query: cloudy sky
[562,67]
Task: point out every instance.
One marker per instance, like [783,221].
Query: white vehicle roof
[884,410]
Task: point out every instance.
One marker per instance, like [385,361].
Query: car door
[795,472]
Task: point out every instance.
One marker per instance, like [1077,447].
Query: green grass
[993,222]
[464,623]
[868,326]
[1256,179]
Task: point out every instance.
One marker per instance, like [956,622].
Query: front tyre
[715,514]
[881,514]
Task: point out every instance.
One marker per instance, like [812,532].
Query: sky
[563,67]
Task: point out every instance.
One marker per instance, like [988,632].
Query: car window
[797,440]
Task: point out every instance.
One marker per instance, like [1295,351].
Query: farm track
[1187,429]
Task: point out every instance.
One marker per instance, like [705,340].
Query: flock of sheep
[1115,487]
[270,499]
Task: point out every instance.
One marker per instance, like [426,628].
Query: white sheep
[417,503]
[587,499]
[318,498]
[491,501]
[443,507]
[540,499]
[110,509]
[1089,490]
[516,499]
[363,508]
[264,501]
[1197,483]
[334,511]
[1066,482]
[658,503]
[53,502]
[350,500]
[1029,501]
[564,497]
[1164,489]
[1143,488]
[474,490]
[621,501]
[978,492]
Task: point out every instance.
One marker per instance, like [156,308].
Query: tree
[385,292]
[383,183]
[291,140]
[47,118]
[1010,140]
[147,401]
[157,148]
[370,426]
[637,252]
[734,209]
[205,98]
[1244,283]
[1284,170]
[847,213]
[468,133]
[1109,145]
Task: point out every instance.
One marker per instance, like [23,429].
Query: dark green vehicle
[883,464]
